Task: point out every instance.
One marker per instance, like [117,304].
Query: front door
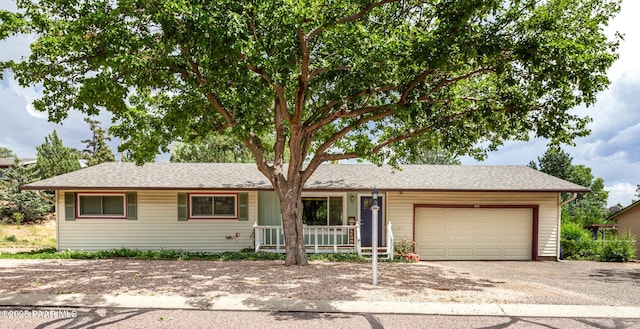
[365,224]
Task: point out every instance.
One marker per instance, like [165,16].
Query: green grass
[170,254]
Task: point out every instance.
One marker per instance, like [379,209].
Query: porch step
[368,251]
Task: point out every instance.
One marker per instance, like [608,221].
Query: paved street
[148,318]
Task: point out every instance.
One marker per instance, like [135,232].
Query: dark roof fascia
[625,209]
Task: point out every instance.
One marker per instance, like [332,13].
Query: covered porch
[322,239]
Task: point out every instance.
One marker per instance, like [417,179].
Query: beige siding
[399,211]
[156,227]
[630,221]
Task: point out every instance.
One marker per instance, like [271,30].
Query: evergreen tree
[53,158]
[556,162]
[6,152]
[26,205]
[212,148]
[97,151]
[587,208]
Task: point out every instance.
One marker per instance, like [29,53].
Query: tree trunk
[291,210]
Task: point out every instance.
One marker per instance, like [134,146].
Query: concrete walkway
[254,303]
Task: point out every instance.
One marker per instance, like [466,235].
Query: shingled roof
[245,176]
[7,162]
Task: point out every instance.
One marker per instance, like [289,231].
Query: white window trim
[327,195]
[124,206]
[213,216]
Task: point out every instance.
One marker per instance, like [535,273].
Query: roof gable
[624,210]
[245,176]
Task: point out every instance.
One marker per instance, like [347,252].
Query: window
[322,210]
[213,205]
[102,205]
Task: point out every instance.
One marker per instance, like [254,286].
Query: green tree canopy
[16,202]
[587,208]
[53,158]
[213,148]
[6,152]
[330,80]
[97,151]
[556,162]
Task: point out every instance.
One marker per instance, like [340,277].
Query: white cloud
[29,94]
[626,23]
[621,193]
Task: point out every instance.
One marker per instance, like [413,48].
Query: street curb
[251,303]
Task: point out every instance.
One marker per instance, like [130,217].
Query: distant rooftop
[7,162]
[245,176]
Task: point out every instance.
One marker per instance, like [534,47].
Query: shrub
[11,238]
[577,243]
[619,249]
[403,246]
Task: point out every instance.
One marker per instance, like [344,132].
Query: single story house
[452,212]
[5,163]
[628,220]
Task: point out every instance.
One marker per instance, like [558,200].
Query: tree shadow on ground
[82,318]
[617,275]
[192,279]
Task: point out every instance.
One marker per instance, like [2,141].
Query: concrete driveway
[565,282]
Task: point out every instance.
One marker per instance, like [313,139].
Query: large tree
[331,80]
[587,208]
[97,150]
[53,158]
[17,203]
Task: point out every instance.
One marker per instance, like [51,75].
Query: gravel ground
[463,282]
[580,282]
[189,319]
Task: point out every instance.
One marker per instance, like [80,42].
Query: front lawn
[30,236]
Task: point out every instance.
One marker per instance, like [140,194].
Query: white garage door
[474,233]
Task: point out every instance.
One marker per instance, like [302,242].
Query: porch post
[374,236]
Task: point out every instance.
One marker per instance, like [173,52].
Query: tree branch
[322,70]
[448,81]
[351,18]
[278,89]
[420,78]
[322,115]
[303,78]
[320,155]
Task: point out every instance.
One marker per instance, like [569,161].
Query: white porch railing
[336,238]
[390,241]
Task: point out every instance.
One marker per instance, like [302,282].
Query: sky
[612,150]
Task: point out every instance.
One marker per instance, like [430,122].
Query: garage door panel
[489,239]
[478,233]
[487,226]
[466,252]
[494,252]
[516,254]
[462,239]
[432,252]
[459,226]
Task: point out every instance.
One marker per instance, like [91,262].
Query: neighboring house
[452,212]
[5,163]
[628,220]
